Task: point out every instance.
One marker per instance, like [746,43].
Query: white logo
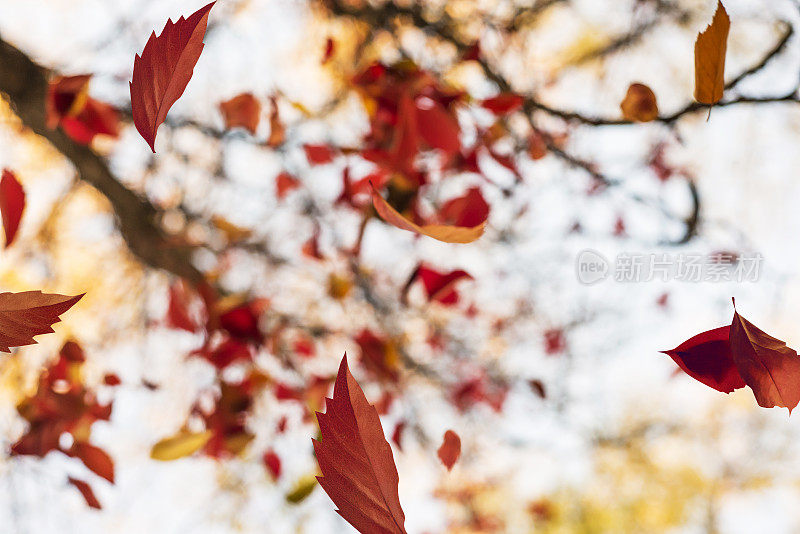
[591,267]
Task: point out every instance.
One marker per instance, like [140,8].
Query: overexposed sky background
[744,162]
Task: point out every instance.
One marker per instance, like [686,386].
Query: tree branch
[25,83]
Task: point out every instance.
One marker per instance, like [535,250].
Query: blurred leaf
[180,445]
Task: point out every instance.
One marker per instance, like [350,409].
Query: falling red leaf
[767,365]
[466,228]
[707,358]
[162,72]
[450,449]
[273,463]
[284,183]
[95,458]
[12,204]
[319,154]
[87,492]
[242,111]
[358,469]
[503,104]
[30,313]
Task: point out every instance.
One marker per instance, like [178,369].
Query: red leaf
[81,117]
[12,204]
[450,449]
[86,491]
[284,183]
[95,458]
[178,310]
[242,111]
[438,127]
[503,104]
[470,210]
[440,287]
[164,69]
[30,313]
[273,462]
[111,380]
[379,355]
[708,359]
[318,154]
[397,435]
[554,341]
[766,364]
[358,470]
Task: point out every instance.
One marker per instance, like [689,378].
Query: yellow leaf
[709,58]
[181,444]
[302,489]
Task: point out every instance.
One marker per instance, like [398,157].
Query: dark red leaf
[554,341]
[111,380]
[178,309]
[450,449]
[358,469]
[12,204]
[707,358]
[163,71]
[30,313]
[766,364]
[503,104]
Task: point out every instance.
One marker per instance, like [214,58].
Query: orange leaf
[441,232]
[30,313]
[163,71]
[277,130]
[242,111]
[450,449]
[639,104]
[709,58]
[86,491]
[12,203]
[358,470]
[95,458]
